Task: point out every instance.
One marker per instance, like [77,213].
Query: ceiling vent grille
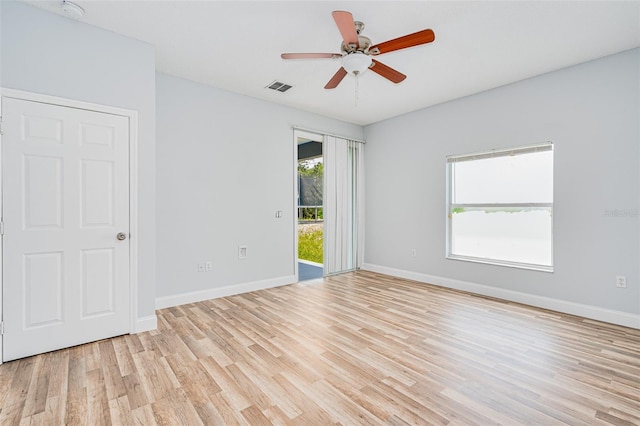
[278,86]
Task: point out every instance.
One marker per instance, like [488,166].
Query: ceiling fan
[357,50]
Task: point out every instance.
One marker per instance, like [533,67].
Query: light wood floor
[355,349]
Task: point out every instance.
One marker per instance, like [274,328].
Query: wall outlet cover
[242,252]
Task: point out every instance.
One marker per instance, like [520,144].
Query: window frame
[523,150]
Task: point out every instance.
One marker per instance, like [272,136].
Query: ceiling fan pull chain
[357,90]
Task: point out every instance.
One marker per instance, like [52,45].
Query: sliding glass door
[342,215]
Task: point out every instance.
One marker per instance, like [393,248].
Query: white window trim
[547,146]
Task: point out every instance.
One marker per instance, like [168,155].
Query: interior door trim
[133,185]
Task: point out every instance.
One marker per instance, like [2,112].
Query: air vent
[278,86]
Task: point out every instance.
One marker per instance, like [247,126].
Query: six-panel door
[65,198]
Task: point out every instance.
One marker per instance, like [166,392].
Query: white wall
[591,114]
[225,166]
[49,54]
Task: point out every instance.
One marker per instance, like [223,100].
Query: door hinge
[1,228]
[2,328]
[1,126]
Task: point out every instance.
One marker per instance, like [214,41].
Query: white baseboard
[145,324]
[587,311]
[213,293]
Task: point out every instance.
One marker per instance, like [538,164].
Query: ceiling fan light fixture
[356,63]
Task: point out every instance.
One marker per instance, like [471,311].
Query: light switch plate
[242,252]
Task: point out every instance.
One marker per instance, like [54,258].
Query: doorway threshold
[309,270]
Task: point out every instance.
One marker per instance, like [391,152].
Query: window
[500,207]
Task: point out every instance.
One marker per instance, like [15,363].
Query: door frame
[132,116]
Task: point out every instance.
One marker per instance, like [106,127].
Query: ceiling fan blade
[410,40]
[344,21]
[310,55]
[336,79]
[387,72]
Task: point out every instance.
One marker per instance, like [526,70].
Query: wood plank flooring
[360,348]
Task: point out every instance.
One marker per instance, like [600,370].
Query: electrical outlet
[200,267]
[414,253]
[208,266]
[621,281]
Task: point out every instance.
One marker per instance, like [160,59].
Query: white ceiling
[236,45]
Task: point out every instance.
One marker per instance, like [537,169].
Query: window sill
[517,265]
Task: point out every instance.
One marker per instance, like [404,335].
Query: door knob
[121,236]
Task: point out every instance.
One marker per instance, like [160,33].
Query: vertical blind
[343,171]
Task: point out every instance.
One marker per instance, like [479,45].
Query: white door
[65,197]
